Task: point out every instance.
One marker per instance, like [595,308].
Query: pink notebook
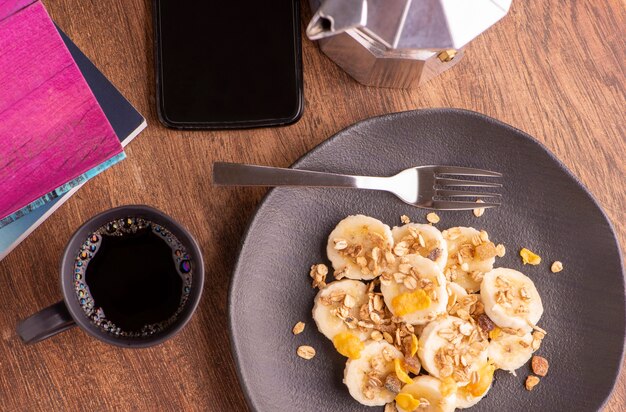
[51,126]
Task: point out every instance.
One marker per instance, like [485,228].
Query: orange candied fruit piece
[495,333]
[348,345]
[407,402]
[400,371]
[529,257]
[485,377]
[410,302]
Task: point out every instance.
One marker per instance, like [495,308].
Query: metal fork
[427,187]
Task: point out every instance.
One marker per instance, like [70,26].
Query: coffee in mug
[131,276]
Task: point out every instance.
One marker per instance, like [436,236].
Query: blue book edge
[125,120]
[64,188]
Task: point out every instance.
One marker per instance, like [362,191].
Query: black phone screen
[228,63]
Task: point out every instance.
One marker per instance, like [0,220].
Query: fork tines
[446,188]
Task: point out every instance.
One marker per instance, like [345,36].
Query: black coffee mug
[69,312]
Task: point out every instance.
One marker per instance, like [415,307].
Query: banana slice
[420,239]
[455,292]
[417,292]
[511,299]
[452,347]
[510,351]
[470,394]
[425,394]
[360,247]
[336,308]
[365,376]
[470,256]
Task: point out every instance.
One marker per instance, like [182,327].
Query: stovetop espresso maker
[399,43]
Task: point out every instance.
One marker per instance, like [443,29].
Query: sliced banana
[365,376]
[470,255]
[360,247]
[469,395]
[417,292]
[510,351]
[452,347]
[425,394]
[420,239]
[336,308]
[511,299]
[455,293]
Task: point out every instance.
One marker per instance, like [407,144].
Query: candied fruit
[348,345]
[407,402]
[529,257]
[410,302]
[495,333]
[485,377]
[400,371]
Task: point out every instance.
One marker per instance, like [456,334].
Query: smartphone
[228,64]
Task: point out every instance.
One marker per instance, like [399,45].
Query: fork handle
[235,174]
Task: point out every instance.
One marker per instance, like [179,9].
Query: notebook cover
[126,122]
[124,118]
[10,7]
[64,188]
[52,129]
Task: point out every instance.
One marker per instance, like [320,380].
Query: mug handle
[45,323]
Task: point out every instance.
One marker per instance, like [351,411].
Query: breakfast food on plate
[416,293]
[420,239]
[479,211]
[445,339]
[556,267]
[531,382]
[455,294]
[470,394]
[470,256]
[433,218]
[422,316]
[337,307]
[508,350]
[540,365]
[298,328]
[360,247]
[306,352]
[365,376]
[511,299]
[425,394]
[529,258]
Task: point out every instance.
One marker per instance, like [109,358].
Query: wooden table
[553,69]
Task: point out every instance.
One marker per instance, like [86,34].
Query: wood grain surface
[554,69]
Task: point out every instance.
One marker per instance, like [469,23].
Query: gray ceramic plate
[545,209]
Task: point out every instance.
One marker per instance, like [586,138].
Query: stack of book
[61,121]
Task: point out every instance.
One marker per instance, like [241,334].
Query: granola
[306,352]
[298,328]
[531,382]
[414,300]
[556,267]
[540,365]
